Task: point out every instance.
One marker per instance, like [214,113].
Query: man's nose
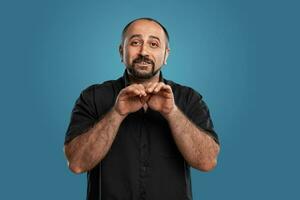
[144,50]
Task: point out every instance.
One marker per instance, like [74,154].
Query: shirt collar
[127,82]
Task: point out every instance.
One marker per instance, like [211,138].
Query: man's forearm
[85,151]
[198,148]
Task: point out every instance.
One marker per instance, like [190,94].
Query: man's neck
[144,81]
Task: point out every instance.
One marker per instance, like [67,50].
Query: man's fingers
[158,87]
[154,87]
[151,87]
[135,90]
[141,89]
[132,91]
[167,88]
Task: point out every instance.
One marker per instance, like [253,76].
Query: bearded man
[138,136]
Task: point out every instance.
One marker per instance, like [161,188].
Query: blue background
[242,56]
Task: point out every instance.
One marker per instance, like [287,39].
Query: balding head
[147,19]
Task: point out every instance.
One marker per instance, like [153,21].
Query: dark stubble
[136,74]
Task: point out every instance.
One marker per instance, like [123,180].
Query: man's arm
[86,150]
[197,147]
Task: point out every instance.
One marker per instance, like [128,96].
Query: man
[137,136]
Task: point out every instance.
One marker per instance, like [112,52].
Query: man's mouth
[143,63]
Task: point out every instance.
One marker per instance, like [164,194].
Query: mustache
[143,59]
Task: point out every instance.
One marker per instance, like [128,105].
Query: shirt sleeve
[83,115]
[198,112]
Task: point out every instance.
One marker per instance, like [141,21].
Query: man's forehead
[143,28]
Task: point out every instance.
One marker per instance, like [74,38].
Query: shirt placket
[143,158]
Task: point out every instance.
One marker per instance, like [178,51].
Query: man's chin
[144,76]
[141,74]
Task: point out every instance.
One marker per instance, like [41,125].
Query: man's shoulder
[101,96]
[182,90]
[106,86]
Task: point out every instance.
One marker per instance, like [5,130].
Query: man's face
[144,50]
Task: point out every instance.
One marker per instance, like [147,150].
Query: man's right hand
[130,99]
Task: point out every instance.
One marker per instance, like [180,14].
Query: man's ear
[167,52]
[121,52]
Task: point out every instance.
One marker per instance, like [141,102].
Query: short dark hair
[148,19]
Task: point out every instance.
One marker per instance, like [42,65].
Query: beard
[137,73]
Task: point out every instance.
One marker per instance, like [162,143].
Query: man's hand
[161,98]
[130,99]
[158,96]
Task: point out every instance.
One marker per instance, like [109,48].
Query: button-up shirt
[143,161]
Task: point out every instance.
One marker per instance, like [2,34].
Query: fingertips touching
[151,87]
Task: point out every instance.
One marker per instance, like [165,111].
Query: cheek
[160,58]
[127,57]
[130,54]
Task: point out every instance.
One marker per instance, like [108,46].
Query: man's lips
[142,63]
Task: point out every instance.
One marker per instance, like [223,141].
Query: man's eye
[154,44]
[135,43]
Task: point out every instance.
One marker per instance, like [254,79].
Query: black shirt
[143,161]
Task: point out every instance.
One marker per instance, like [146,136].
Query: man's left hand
[161,97]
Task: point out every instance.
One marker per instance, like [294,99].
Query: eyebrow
[140,36]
